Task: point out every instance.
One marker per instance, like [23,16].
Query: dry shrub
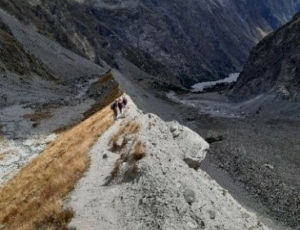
[116,170]
[116,147]
[139,151]
[38,116]
[33,198]
[134,167]
[124,157]
[55,220]
[132,157]
[131,127]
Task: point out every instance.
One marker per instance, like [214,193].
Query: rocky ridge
[162,190]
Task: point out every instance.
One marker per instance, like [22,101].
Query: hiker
[114,107]
[120,105]
[124,99]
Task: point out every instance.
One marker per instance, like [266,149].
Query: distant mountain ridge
[171,43]
[195,40]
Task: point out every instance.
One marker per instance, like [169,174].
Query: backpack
[113,105]
[124,100]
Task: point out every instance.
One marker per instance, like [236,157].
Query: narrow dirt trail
[90,192]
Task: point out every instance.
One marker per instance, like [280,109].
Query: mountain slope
[39,72]
[43,87]
[196,40]
[174,42]
[273,66]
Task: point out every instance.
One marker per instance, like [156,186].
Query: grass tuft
[116,169]
[139,151]
[131,155]
[131,127]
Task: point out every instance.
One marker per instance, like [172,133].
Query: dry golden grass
[33,199]
[130,127]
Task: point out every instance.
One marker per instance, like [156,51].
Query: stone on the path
[189,196]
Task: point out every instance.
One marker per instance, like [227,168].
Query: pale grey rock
[269,166]
[189,196]
[120,141]
[194,163]
[176,133]
[212,214]
[191,225]
[174,127]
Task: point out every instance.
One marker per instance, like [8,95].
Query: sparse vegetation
[139,151]
[131,154]
[38,116]
[33,199]
[116,169]
[130,127]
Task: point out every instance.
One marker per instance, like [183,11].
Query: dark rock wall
[273,66]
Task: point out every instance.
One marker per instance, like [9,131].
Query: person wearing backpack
[124,100]
[114,107]
[120,105]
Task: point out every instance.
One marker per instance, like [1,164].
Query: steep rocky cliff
[273,66]
[170,42]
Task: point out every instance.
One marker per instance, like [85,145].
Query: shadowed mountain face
[170,42]
[196,40]
[273,66]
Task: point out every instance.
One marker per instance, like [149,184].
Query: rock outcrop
[156,191]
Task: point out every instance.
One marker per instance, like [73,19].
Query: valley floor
[255,158]
[258,158]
